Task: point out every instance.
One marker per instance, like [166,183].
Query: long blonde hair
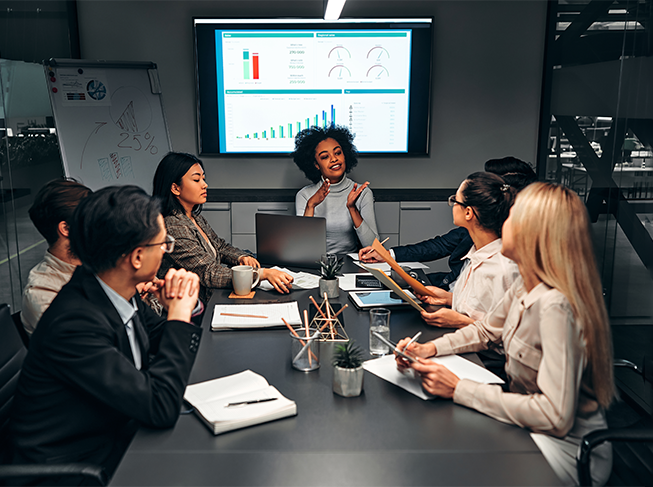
[552,240]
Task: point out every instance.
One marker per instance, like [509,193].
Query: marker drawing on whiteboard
[104,169]
[115,164]
[126,164]
[127,120]
[99,126]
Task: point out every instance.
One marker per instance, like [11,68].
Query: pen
[253,401]
[243,316]
[412,340]
[388,238]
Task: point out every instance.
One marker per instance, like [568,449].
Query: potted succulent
[347,369]
[330,266]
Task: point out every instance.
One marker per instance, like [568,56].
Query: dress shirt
[126,310]
[484,280]
[44,282]
[550,391]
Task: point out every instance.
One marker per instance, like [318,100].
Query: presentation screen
[260,82]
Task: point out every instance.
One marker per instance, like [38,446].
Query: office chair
[21,329]
[633,459]
[12,354]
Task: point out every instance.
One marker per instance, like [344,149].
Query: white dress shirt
[484,280]
[126,310]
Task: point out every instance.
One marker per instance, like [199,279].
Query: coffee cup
[243,279]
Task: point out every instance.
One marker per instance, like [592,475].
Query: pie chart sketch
[96,89]
[130,110]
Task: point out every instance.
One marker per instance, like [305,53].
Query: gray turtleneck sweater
[342,237]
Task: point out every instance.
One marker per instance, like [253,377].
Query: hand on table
[369,255]
[446,318]
[248,260]
[415,349]
[281,281]
[436,379]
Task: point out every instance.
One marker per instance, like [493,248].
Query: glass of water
[380,323]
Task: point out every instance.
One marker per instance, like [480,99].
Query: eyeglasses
[453,201]
[167,246]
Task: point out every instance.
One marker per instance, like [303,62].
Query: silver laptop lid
[290,240]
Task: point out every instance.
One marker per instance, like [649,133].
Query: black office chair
[632,445]
[12,354]
[21,329]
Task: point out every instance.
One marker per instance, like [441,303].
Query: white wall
[487,71]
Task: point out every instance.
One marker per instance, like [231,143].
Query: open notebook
[214,401]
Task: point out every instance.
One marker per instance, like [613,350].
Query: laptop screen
[297,241]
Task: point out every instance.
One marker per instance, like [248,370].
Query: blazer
[192,253]
[79,389]
[454,245]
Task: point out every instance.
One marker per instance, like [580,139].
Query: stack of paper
[244,316]
[230,402]
[386,368]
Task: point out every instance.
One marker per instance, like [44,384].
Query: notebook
[238,401]
[290,240]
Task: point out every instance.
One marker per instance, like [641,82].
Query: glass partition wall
[596,137]
[29,153]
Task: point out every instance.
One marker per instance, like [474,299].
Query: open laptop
[287,240]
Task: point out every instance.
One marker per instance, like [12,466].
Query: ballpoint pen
[253,401]
[413,340]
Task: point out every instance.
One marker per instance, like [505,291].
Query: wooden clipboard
[411,281]
[385,279]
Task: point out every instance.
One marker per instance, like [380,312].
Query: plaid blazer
[192,253]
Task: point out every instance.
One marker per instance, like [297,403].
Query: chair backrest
[12,354]
[21,329]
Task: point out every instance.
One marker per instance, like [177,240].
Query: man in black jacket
[100,361]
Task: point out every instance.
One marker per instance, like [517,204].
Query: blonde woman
[554,329]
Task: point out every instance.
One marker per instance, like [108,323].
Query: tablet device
[394,349]
[375,299]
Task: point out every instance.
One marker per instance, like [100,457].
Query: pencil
[292,330]
[243,316]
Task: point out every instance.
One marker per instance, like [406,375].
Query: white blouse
[484,280]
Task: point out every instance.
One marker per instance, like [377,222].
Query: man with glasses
[101,362]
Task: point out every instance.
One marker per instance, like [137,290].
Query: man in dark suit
[100,361]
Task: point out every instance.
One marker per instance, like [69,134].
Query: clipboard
[385,279]
[411,281]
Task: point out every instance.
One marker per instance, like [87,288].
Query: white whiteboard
[109,119]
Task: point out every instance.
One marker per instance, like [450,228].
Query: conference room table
[386,436]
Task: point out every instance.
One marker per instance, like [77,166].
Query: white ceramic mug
[243,279]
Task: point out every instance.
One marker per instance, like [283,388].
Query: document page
[386,368]
[244,316]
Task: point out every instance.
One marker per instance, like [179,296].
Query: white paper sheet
[273,313]
[301,280]
[386,368]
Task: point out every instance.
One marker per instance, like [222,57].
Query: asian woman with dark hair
[326,156]
[180,184]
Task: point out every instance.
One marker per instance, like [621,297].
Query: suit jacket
[192,253]
[454,245]
[79,389]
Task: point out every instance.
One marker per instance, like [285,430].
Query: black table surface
[386,436]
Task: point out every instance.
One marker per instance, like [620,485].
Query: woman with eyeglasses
[552,324]
[180,183]
[480,205]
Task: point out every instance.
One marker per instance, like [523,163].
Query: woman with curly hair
[326,155]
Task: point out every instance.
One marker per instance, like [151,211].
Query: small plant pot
[348,382]
[330,287]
